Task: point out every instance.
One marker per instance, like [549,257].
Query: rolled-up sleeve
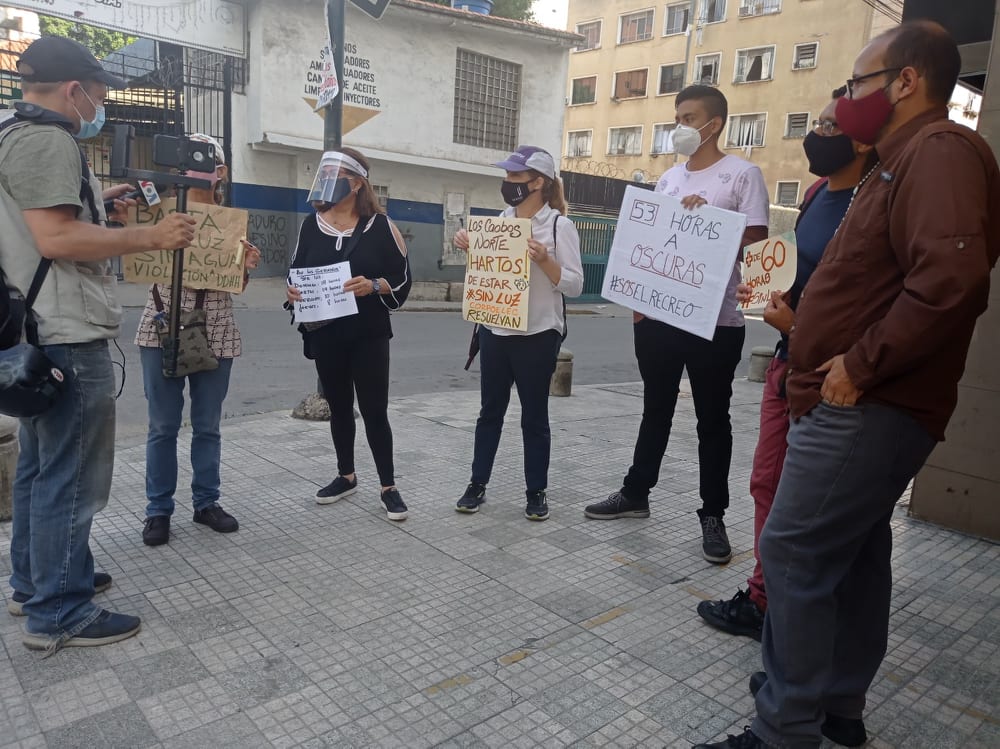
[567,254]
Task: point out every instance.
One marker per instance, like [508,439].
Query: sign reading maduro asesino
[497,272]
[215,259]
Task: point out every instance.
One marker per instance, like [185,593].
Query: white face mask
[687,139]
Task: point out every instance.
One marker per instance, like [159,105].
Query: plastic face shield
[330,184]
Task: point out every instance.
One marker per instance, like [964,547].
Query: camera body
[183,154]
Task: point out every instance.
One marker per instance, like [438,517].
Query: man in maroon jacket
[882,331]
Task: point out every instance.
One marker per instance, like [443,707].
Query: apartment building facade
[777,62]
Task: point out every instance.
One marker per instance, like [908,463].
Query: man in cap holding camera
[48,206]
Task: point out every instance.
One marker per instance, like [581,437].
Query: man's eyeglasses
[852,82]
[826,127]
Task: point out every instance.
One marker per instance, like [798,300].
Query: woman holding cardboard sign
[350,234]
[527,358]
[208,388]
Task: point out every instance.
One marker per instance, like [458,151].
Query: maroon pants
[767,461]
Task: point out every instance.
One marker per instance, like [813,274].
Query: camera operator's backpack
[29,381]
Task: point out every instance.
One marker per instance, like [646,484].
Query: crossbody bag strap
[199,299]
[30,323]
[555,253]
[352,241]
[157,301]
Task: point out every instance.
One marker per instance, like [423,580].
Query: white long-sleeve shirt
[545,303]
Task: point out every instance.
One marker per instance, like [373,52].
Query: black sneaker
[217,519]
[475,495]
[616,506]
[15,606]
[746,740]
[107,628]
[395,508]
[336,489]
[156,530]
[840,730]
[737,616]
[536,508]
[714,541]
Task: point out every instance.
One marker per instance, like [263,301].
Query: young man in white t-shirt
[663,352]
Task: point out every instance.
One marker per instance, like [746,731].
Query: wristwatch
[376,286]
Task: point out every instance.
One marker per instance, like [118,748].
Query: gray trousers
[826,551]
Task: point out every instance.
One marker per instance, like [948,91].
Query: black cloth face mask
[514,193]
[828,154]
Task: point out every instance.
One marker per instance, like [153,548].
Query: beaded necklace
[854,194]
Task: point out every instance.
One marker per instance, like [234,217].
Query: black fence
[602,196]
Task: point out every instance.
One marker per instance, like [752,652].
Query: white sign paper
[769,266]
[670,263]
[322,291]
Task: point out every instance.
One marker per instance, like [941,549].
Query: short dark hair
[713,100]
[839,93]
[928,48]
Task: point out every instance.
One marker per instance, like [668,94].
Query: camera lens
[198,157]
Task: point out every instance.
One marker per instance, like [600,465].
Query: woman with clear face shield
[352,353]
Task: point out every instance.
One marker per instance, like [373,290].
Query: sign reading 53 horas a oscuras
[673,264]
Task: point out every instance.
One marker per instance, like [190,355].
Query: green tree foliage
[99,41]
[519,10]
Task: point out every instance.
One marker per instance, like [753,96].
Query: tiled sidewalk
[330,626]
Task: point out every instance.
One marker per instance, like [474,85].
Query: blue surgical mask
[90,128]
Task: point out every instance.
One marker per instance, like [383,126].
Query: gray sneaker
[714,541]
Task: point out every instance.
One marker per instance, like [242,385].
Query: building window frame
[797,63]
[718,68]
[649,33]
[680,82]
[623,151]
[735,120]
[630,91]
[767,50]
[783,183]
[758,8]
[487,108]
[661,132]
[600,33]
[590,144]
[799,131]
[686,7]
[572,91]
[720,14]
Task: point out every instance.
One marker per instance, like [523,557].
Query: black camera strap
[30,323]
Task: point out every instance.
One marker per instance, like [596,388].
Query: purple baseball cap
[530,157]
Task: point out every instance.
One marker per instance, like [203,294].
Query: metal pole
[333,124]
[227,124]
[176,296]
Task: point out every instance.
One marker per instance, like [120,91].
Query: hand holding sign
[769,266]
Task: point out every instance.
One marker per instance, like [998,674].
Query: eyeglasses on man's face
[852,82]
[826,127]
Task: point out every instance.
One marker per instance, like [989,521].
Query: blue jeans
[526,362]
[165,400]
[825,550]
[63,479]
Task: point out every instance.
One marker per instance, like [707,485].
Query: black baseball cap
[52,59]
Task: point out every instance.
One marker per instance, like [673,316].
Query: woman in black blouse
[352,353]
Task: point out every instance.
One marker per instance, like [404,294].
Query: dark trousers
[826,550]
[361,366]
[527,362]
[663,352]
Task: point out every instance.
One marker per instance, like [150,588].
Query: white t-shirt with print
[731,183]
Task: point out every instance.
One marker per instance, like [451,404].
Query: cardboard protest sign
[497,272]
[214,261]
[322,290]
[670,263]
[769,265]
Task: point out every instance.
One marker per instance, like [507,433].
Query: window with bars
[754,65]
[797,125]
[625,141]
[805,55]
[746,130]
[787,194]
[204,69]
[714,11]
[382,193]
[631,84]
[662,140]
[750,8]
[677,19]
[591,32]
[706,69]
[579,143]
[487,101]
[671,78]
[584,90]
[635,27]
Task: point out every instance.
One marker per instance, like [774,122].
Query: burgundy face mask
[863,119]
